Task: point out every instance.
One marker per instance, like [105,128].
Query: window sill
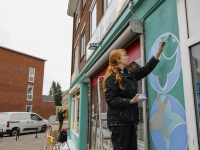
[29,100]
[75,133]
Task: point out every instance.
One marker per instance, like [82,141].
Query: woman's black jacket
[120,112]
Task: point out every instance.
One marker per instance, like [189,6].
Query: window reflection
[195,51]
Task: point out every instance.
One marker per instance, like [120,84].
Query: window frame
[74,114]
[185,43]
[77,21]
[195,90]
[76,56]
[106,5]
[30,76]
[30,109]
[30,94]
[93,5]
[84,3]
[83,42]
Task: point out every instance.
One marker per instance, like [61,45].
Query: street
[28,141]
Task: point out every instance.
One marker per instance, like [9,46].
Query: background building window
[30,93]
[93,18]
[28,108]
[82,43]
[31,74]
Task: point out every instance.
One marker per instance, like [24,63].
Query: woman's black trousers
[124,137]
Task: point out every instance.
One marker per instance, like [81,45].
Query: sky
[43,29]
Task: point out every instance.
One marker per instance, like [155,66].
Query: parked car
[25,121]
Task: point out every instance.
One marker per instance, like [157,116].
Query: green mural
[168,129]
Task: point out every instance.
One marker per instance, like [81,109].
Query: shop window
[195,62]
[93,17]
[75,114]
[30,93]
[31,74]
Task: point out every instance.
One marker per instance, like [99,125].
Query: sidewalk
[65,125]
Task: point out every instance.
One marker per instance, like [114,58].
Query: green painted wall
[83,115]
[166,107]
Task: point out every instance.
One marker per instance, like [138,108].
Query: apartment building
[21,83]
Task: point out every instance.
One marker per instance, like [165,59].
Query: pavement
[28,141]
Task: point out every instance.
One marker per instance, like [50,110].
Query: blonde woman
[120,86]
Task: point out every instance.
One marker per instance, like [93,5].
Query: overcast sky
[43,29]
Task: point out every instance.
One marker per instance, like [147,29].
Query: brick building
[138,26]
[21,83]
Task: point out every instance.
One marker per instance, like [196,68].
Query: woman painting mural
[120,86]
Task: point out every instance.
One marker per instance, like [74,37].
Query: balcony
[114,10]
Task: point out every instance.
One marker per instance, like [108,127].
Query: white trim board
[92,6]
[187,77]
[193,40]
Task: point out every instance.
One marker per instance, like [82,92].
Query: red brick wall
[84,18]
[14,74]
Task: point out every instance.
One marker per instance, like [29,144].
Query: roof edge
[22,53]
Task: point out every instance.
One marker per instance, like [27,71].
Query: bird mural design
[168,57]
[164,120]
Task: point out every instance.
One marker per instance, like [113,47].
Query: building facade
[21,83]
[170,117]
[65,99]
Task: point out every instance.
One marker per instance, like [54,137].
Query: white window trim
[192,40]
[84,4]
[92,5]
[185,43]
[31,107]
[29,94]
[105,7]
[75,114]
[76,41]
[83,30]
[90,10]
[29,75]
[77,21]
[76,44]
[78,15]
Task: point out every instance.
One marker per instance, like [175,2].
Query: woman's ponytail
[113,68]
